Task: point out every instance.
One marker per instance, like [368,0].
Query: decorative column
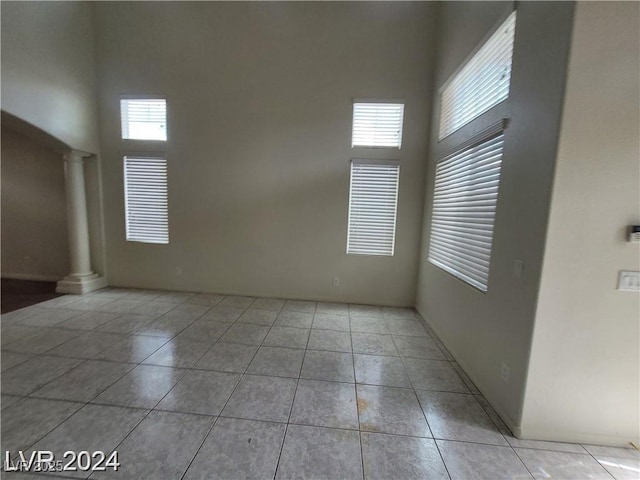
[81,279]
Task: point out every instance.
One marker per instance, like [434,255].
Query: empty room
[320,240]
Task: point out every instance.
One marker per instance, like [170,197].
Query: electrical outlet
[629,281]
[336,281]
[518,268]
[178,271]
[505,372]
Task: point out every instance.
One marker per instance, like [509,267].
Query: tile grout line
[158,403]
[522,462]
[215,342]
[150,410]
[355,387]
[85,360]
[193,368]
[136,364]
[594,458]
[204,439]
[483,409]
[82,362]
[280,311]
[213,424]
[424,415]
[444,463]
[83,403]
[94,330]
[293,399]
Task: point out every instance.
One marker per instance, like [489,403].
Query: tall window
[467,181]
[146,200]
[145,177]
[464,208]
[481,83]
[144,119]
[377,124]
[373,201]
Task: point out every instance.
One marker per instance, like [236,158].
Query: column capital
[75,155]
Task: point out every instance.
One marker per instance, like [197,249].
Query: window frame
[145,156]
[485,125]
[142,97]
[381,101]
[372,162]
[499,24]
[485,136]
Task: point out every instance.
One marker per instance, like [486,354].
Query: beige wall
[34,220]
[49,92]
[583,382]
[259,120]
[48,71]
[485,329]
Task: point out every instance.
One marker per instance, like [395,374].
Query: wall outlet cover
[505,372]
[629,281]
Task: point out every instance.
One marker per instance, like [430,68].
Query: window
[482,83]
[373,200]
[144,119]
[377,124]
[464,206]
[146,202]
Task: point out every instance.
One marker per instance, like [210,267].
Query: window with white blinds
[482,83]
[146,202]
[373,200]
[464,207]
[144,119]
[377,124]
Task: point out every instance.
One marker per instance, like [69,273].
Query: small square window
[377,124]
[144,119]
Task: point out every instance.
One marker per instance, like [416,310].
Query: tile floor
[201,386]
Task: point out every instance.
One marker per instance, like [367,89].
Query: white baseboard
[79,285]
[515,428]
[577,437]
[32,276]
[247,293]
[527,433]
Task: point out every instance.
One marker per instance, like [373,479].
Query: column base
[80,285]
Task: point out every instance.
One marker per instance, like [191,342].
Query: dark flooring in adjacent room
[18,294]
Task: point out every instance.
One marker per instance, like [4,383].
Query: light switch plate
[629,281]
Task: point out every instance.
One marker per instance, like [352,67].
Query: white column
[81,279]
[77,214]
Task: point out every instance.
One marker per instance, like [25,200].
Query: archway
[45,220]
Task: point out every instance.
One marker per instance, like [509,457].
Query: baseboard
[79,285]
[327,299]
[526,433]
[31,276]
[515,428]
[577,437]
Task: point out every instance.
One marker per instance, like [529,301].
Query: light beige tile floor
[202,386]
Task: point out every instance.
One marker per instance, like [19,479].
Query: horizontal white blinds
[373,200]
[377,125]
[146,202]
[464,207]
[144,119]
[482,83]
